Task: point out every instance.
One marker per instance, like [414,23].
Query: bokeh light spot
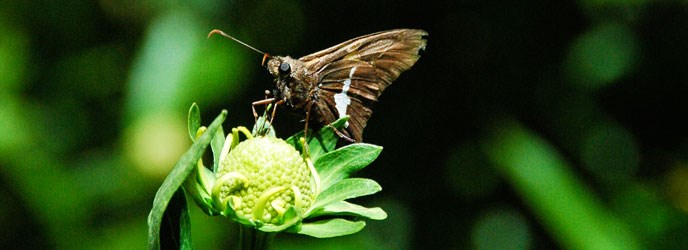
[610,152]
[501,229]
[602,55]
[154,144]
[13,58]
[677,186]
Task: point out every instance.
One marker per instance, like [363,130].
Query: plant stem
[253,239]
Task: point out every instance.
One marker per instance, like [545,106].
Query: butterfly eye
[284,68]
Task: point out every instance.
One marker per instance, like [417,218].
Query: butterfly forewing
[352,75]
[343,80]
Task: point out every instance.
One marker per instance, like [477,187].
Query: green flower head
[261,178]
[269,185]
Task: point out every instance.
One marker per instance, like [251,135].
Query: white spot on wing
[342,100]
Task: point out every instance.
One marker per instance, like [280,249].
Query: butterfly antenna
[216,31]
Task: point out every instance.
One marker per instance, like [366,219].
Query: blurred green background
[525,124]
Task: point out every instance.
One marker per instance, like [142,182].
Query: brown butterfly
[345,79]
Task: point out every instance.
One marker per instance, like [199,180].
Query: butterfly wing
[352,75]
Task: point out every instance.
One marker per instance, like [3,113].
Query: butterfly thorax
[293,83]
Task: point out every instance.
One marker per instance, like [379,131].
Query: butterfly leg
[308,117]
[274,109]
[261,102]
[340,134]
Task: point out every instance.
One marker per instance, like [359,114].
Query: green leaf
[216,145]
[174,180]
[540,174]
[294,140]
[341,163]
[197,185]
[320,143]
[175,233]
[263,128]
[331,228]
[193,121]
[346,189]
[349,209]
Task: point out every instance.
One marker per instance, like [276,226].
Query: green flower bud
[262,177]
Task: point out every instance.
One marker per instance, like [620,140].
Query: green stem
[252,239]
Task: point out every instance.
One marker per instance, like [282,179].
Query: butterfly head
[289,75]
[283,67]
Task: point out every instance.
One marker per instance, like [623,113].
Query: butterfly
[345,79]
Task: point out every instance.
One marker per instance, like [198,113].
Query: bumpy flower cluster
[268,186]
[262,177]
